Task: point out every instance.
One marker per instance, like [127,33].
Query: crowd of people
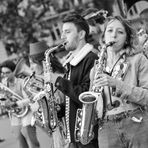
[111,68]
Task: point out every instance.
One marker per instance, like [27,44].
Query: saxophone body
[92,104]
[46,116]
[12,98]
[49,90]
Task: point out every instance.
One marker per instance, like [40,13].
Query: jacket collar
[75,57]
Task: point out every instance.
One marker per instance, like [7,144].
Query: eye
[67,31]
[120,32]
[109,30]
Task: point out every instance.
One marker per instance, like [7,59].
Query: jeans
[125,133]
[26,136]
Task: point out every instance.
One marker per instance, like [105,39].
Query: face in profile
[36,67]
[115,32]
[71,36]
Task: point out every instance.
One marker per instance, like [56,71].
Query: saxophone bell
[86,117]
[92,103]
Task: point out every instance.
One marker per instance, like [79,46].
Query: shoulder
[138,59]
[92,55]
[138,56]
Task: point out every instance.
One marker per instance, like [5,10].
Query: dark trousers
[92,144]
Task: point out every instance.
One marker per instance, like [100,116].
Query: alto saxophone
[46,116]
[49,89]
[92,107]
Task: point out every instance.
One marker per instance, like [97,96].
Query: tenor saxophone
[92,104]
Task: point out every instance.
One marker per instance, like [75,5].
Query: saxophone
[49,89]
[46,116]
[12,98]
[92,107]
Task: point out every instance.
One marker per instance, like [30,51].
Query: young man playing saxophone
[79,62]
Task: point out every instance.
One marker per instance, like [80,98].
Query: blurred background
[26,21]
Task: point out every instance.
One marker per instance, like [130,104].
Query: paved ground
[10,142]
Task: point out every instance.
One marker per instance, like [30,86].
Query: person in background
[144,18]
[24,133]
[78,63]
[143,41]
[125,89]
[95,19]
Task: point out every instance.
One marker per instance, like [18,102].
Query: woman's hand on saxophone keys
[104,80]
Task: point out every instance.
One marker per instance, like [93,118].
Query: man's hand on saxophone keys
[34,106]
[52,77]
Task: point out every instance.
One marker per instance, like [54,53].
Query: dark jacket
[79,82]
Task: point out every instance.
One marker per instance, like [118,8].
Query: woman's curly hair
[129,45]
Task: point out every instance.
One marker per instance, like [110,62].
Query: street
[10,142]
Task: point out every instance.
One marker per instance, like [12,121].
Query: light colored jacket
[132,91]
[17,87]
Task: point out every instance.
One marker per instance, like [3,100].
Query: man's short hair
[143,12]
[79,21]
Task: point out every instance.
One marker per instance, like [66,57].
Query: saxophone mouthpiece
[110,43]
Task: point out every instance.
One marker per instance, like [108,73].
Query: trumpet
[12,98]
[33,83]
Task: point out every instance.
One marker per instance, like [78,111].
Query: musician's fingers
[23,102]
[34,107]
[100,82]
[100,76]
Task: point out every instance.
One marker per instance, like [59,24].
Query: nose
[63,35]
[114,34]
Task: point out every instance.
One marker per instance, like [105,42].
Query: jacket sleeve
[72,90]
[137,94]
